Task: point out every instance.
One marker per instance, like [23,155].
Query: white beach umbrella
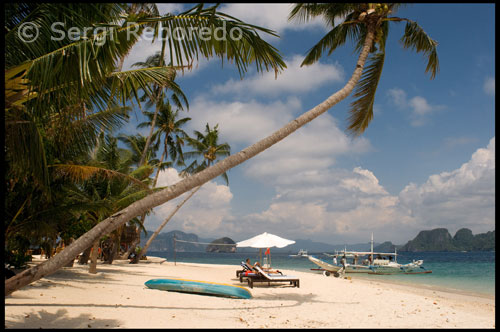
[265,240]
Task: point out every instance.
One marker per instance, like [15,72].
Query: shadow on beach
[59,319]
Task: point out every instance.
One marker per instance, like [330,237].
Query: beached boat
[301,253]
[199,287]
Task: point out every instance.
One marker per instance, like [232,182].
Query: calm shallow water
[469,271]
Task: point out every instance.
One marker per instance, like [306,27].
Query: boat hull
[410,268]
[199,287]
[335,268]
[402,269]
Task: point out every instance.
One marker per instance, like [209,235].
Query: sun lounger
[245,269]
[268,277]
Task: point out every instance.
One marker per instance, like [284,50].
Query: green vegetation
[65,101]
[439,239]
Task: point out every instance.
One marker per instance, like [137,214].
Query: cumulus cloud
[419,107]
[338,205]
[489,86]
[313,147]
[205,213]
[331,205]
[273,16]
[464,197]
[294,79]
[242,122]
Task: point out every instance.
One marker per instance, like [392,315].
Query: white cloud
[419,106]
[398,97]
[241,122]
[489,86]
[145,48]
[273,16]
[294,79]
[337,205]
[173,8]
[313,147]
[464,197]
[203,214]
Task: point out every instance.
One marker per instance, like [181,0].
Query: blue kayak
[199,287]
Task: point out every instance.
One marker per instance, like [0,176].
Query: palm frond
[333,39]
[361,112]
[24,148]
[126,85]
[80,173]
[242,49]
[304,12]
[415,38]
[75,131]
[142,172]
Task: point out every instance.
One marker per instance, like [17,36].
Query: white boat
[375,263]
[301,253]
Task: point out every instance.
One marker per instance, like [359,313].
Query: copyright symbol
[28,32]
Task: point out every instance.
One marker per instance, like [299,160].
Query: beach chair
[264,276]
[245,269]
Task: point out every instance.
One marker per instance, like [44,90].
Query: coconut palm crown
[354,19]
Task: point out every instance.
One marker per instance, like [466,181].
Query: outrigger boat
[375,263]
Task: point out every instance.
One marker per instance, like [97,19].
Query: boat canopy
[363,253]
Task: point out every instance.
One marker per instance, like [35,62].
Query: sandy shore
[116,297]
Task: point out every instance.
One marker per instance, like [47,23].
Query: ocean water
[470,272]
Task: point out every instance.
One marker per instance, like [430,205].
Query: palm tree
[48,76]
[177,95]
[135,144]
[169,127]
[119,186]
[205,146]
[364,21]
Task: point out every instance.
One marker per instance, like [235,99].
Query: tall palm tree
[169,128]
[160,94]
[208,148]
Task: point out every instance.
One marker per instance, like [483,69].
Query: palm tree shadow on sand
[59,319]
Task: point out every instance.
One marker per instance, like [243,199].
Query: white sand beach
[116,297]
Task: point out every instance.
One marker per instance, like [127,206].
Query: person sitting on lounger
[250,264]
[258,264]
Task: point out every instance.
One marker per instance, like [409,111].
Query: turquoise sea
[470,272]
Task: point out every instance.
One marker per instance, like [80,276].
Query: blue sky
[427,160]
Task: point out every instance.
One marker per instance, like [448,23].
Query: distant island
[215,246]
[438,239]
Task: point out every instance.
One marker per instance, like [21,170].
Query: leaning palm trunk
[116,220]
[155,234]
[143,216]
